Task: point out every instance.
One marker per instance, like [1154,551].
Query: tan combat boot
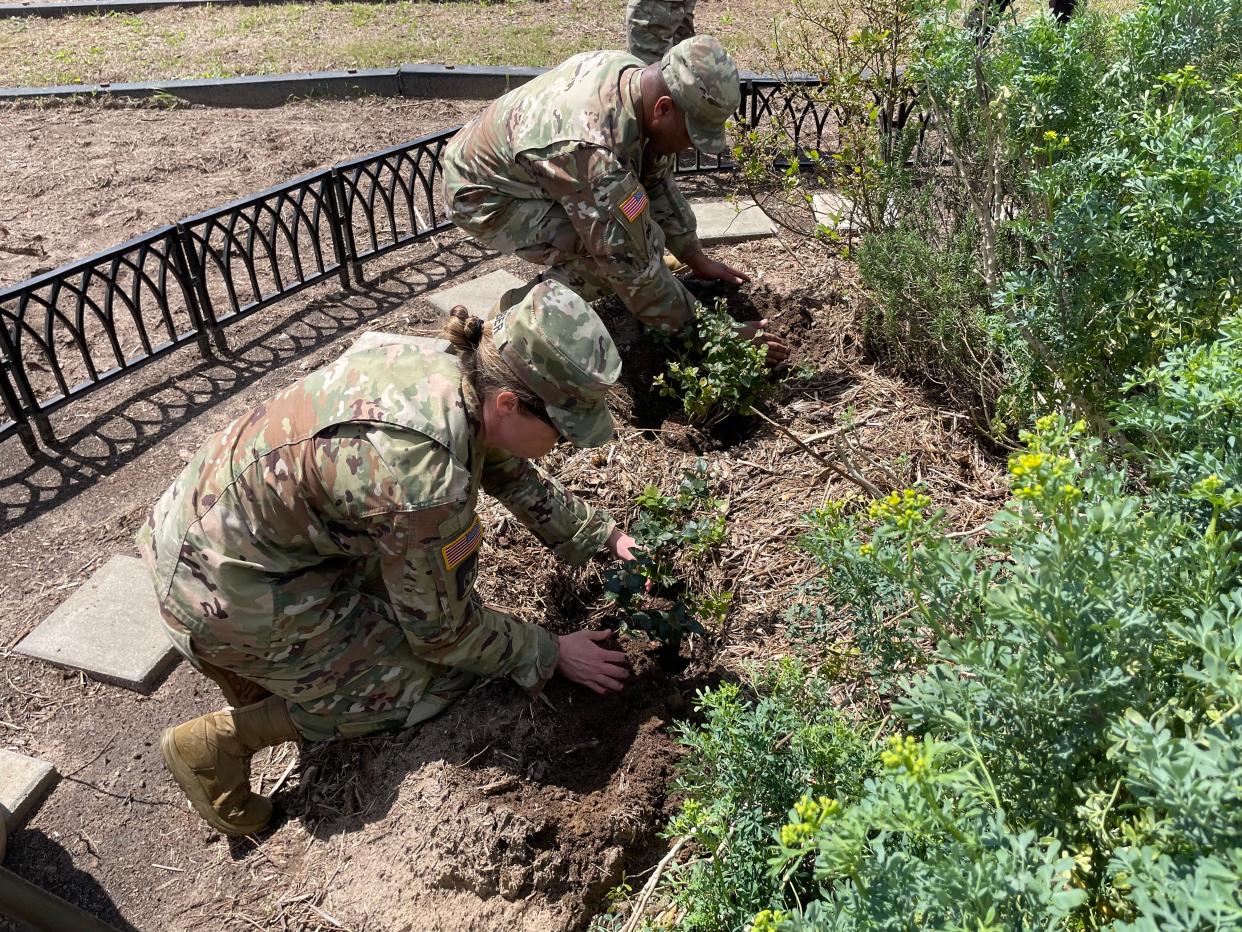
[672,263]
[209,757]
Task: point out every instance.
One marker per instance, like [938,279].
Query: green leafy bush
[746,765]
[681,528]
[1186,414]
[899,590]
[1140,254]
[1088,222]
[719,372]
[1081,727]
[1069,725]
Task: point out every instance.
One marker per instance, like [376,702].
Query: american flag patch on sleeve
[634,205]
[457,550]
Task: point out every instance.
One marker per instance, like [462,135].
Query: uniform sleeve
[612,213]
[444,620]
[670,209]
[574,530]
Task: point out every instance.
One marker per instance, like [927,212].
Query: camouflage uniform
[557,172]
[652,27]
[323,546]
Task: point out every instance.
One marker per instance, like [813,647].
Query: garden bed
[413,829]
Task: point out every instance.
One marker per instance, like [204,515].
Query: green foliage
[719,372]
[889,576]
[1082,725]
[1069,722]
[928,845]
[746,765]
[683,527]
[1187,413]
[1141,253]
[930,314]
[691,519]
[627,587]
[1087,225]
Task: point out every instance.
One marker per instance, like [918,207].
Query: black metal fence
[71,330]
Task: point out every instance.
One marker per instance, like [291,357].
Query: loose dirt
[82,177]
[502,813]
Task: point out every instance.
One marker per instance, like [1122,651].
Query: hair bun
[471,326]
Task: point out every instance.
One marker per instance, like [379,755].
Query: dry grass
[212,43]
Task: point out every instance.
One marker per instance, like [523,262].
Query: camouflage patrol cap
[702,79]
[559,349]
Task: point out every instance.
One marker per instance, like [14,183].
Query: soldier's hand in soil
[622,546]
[583,661]
[778,349]
[702,266]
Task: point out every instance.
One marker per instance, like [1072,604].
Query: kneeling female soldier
[317,558]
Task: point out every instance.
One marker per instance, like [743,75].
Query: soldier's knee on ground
[353,718]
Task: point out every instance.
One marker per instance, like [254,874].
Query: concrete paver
[110,628]
[24,783]
[724,222]
[479,295]
[833,210]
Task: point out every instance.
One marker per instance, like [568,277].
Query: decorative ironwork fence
[85,324]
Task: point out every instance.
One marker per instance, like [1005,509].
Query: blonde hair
[483,372]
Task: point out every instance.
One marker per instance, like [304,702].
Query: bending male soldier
[573,171]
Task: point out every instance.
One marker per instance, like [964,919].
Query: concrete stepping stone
[725,222]
[110,628]
[24,783]
[479,295]
[833,210]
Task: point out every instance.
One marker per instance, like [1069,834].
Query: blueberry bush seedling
[690,523]
[626,587]
[719,372]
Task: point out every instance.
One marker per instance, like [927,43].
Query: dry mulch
[82,177]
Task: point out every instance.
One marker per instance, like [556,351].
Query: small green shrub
[628,587]
[892,578]
[672,530]
[1186,415]
[718,373]
[746,765]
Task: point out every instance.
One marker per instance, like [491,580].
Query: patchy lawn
[215,43]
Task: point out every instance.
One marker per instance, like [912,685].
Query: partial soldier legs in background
[652,27]
[985,15]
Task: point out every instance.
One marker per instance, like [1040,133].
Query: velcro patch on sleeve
[633,206]
[462,547]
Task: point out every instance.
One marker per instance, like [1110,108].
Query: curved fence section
[392,198]
[253,252]
[87,323]
[83,325]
